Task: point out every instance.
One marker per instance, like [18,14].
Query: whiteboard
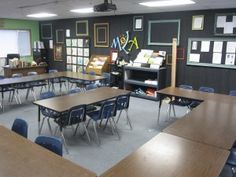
[15,41]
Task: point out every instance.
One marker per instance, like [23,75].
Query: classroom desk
[64,103]
[170,156]
[213,122]
[23,158]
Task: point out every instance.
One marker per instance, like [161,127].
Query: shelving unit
[77,54]
[134,78]
[98,64]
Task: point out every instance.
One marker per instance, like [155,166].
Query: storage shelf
[136,82]
[144,96]
[143,69]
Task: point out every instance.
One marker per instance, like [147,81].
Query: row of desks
[196,145]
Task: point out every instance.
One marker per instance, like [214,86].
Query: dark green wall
[221,79]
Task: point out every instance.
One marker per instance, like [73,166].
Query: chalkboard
[162,32]
[212,52]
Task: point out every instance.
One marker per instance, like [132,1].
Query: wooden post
[173,66]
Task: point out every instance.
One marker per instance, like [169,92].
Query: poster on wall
[225,24]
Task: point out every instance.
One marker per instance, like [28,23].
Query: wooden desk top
[167,156]
[67,74]
[23,158]
[213,122]
[64,103]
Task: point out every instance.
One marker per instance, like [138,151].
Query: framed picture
[101,35]
[197,22]
[180,54]
[46,31]
[82,28]
[138,23]
[225,24]
[113,55]
[60,37]
[58,52]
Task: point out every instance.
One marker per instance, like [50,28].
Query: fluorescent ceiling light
[83,11]
[167,3]
[42,15]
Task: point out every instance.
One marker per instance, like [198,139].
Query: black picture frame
[60,36]
[46,31]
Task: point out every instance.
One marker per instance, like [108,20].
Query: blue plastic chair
[59,81]
[194,104]
[75,90]
[232,93]
[22,86]
[107,112]
[41,83]
[51,143]
[20,126]
[47,113]
[4,90]
[179,101]
[107,80]
[75,116]
[122,103]
[91,86]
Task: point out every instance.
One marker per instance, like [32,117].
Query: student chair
[91,86]
[47,113]
[179,101]
[51,143]
[75,116]
[194,104]
[107,112]
[231,161]
[75,90]
[122,103]
[11,92]
[232,93]
[20,126]
[40,84]
[59,81]
[23,86]
[107,80]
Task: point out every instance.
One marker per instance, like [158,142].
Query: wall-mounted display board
[161,32]
[212,52]
[225,24]
[77,54]
[46,31]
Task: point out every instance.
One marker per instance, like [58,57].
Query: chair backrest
[108,109]
[91,86]
[2,77]
[107,79]
[20,126]
[184,86]
[46,95]
[76,114]
[17,75]
[75,90]
[122,102]
[52,70]
[92,73]
[207,89]
[51,143]
[32,73]
[232,93]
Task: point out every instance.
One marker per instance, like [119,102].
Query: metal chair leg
[41,126]
[173,107]
[95,131]
[86,131]
[49,126]
[119,116]
[64,141]
[115,128]
[128,119]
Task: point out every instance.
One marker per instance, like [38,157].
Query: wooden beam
[173,66]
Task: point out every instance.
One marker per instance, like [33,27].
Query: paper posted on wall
[194,57]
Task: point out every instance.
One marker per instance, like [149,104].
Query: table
[167,155]
[213,122]
[23,158]
[64,103]
[8,71]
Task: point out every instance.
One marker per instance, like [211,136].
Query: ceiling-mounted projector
[104,7]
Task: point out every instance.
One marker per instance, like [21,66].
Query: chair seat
[232,157]
[180,102]
[94,115]
[49,113]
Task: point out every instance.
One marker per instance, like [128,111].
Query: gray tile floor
[143,114]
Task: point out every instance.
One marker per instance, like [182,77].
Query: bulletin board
[212,52]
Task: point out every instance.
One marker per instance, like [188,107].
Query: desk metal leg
[159,110]
[39,119]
